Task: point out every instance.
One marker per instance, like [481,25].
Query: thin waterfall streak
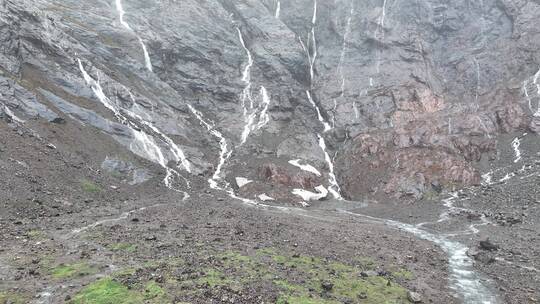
[332,180]
[255,116]
[343,54]
[326,125]
[143,144]
[121,14]
[483,126]
[259,117]
[249,118]
[12,115]
[516,143]
[535,82]
[264,118]
[147,60]
[526,93]
[477,80]
[224,154]
[380,35]
[314,19]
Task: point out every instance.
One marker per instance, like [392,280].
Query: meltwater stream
[469,286]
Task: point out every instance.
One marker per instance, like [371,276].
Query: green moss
[288,286]
[366,263]
[125,272]
[107,291]
[375,290]
[72,270]
[347,285]
[303,300]
[155,293]
[123,247]
[213,278]
[35,234]
[291,278]
[12,298]
[90,187]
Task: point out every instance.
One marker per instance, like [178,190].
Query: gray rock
[369,273]
[414,297]
[404,98]
[126,169]
[488,245]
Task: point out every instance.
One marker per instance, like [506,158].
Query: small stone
[51,146]
[488,245]
[59,120]
[327,286]
[414,297]
[369,273]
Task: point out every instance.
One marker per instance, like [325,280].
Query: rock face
[383,97]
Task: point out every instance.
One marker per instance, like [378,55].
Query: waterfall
[380,34]
[334,186]
[326,125]
[121,13]
[255,116]
[342,58]
[143,144]
[224,154]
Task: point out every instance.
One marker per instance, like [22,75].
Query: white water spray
[121,13]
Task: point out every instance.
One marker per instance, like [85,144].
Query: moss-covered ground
[283,278]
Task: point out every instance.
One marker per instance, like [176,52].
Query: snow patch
[322,193]
[307,167]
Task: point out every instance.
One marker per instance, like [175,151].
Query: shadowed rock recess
[269,151]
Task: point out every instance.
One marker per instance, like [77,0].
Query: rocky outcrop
[411,93]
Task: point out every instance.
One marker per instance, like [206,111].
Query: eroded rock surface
[412,92]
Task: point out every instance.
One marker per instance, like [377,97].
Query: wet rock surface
[117,116]
[412,102]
